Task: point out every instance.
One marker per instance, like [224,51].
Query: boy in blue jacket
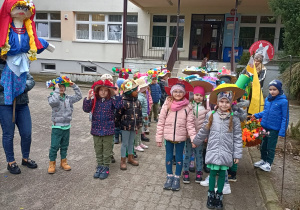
[275,119]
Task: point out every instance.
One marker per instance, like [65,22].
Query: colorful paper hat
[104,83]
[173,81]
[129,85]
[118,70]
[226,73]
[211,80]
[164,72]
[194,70]
[62,80]
[141,82]
[238,92]
[243,81]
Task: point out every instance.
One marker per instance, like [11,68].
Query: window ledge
[100,42]
[51,39]
[48,71]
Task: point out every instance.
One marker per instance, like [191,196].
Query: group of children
[207,130]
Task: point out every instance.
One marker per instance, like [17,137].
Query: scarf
[222,114]
[177,105]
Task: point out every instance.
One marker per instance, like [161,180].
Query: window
[89,68]
[104,27]
[267,34]
[164,30]
[246,38]
[48,25]
[268,19]
[50,67]
[248,19]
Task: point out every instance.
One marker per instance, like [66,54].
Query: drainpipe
[177,29]
[232,60]
[124,32]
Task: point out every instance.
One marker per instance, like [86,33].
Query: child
[142,97]
[275,119]
[164,76]
[117,129]
[176,123]
[130,118]
[199,110]
[62,109]
[224,134]
[156,95]
[102,106]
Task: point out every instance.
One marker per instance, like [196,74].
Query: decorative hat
[104,83]
[243,81]
[62,80]
[174,81]
[141,82]
[129,85]
[208,87]
[194,70]
[237,92]
[229,78]
[107,76]
[6,20]
[164,72]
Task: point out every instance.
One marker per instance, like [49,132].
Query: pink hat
[178,87]
[199,89]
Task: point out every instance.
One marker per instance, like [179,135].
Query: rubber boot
[51,169]
[123,164]
[132,161]
[64,165]
[219,201]
[210,200]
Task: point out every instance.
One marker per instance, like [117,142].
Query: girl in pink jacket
[199,111]
[176,122]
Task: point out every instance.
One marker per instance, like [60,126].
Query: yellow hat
[238,92]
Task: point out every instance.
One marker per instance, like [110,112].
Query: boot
[123,164]
[144,138]
[219,201]
[132,161]
[51,169]
[64,165]
[210,200]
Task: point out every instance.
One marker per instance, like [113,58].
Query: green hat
[243,81]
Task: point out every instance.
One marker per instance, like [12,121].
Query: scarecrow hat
[164,72]
[104,83]
[238,92]
[62,80]
[129,85]
[173,81]
[226,73]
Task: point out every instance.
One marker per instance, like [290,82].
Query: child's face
[273,91]
[103,92]
[257,62]
[134,94]
[62,89]
[166,77]
[198,98]
[224,105]
[178,95]
[154,81]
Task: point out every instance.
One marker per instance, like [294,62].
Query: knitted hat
[178,87]
[175,81]
[199,89]
[277,84]
[226,94]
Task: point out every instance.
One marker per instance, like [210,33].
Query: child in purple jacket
[103,106]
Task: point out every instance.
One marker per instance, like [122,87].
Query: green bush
[294,131]
[294,84]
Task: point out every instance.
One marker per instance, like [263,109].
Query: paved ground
[137,188]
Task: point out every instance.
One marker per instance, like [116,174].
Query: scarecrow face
[21,12]
[103,92]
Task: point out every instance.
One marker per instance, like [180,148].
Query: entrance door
[206,37]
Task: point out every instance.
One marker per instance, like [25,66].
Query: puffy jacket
[199,113]
[275,115]
[23,98]
[62,108]
[129,117]
[155,92]
[103,117]
[175,126]
[164,95]
[144,104]
[222,146]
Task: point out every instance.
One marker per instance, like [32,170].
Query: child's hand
[252,117]
[56,86]
[72,83]
[205,140]
[236,161]
[159,144]
[90,94]
[194,145]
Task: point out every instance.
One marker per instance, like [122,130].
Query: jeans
[154,110]
[127,142]
[137,139]
[23,122]
[178,157]
[103,149]
[59,140]
[268,146]
[117,134]
[188,153]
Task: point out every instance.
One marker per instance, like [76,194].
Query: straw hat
[141,82]
[206,85]
[238,92]
[129,85]
[164,72]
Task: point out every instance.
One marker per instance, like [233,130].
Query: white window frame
[44,69]
[278,25]
[106,23]
[167,24]
[49,25]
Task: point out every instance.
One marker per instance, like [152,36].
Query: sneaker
[192,167]
[135,155]
[104,173]
[226,189]
[205,183]
[199,176]
[186,177]
[144,146]
[259,163]
[266,167]
[169,182]
[139,148]
[98,171]
[232,178]
[176,184]
[13,168]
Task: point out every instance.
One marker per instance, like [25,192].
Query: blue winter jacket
[275,115]
[155,92]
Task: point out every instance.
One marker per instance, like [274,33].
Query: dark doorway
[206,37]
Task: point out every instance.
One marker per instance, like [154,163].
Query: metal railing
[149,47]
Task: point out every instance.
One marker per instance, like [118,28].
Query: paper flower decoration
[63,80]
[128,85]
